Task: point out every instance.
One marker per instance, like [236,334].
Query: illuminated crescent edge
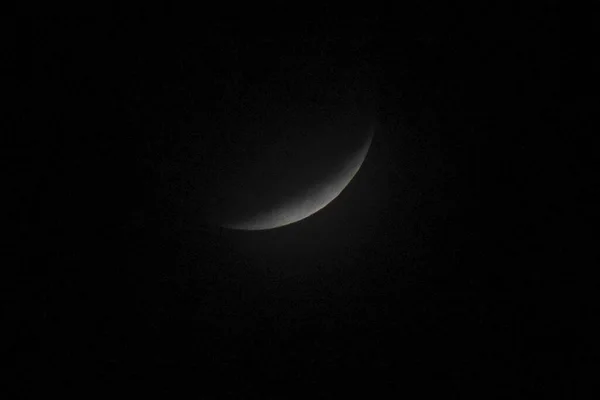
[317,197]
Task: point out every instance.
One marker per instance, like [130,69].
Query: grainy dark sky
[423,275]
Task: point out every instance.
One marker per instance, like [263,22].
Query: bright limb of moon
[314,199]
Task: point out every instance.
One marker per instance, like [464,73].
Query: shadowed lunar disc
[318,195]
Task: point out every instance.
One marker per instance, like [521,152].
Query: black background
[431,272]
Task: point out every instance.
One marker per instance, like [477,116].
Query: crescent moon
[314,199]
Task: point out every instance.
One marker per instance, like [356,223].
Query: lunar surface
[312,198]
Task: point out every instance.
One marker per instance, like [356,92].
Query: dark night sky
[425,274]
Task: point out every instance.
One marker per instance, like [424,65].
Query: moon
[282,149]
[311,199]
